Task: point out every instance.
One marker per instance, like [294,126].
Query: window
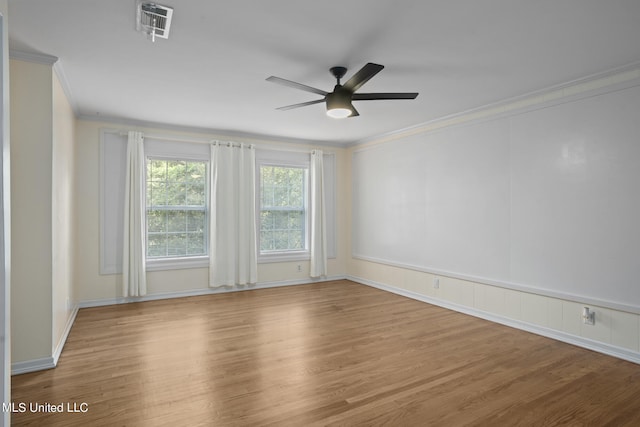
[282,201]
[176,208]
[178,227]
[283,209]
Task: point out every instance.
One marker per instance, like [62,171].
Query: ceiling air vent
[153,19]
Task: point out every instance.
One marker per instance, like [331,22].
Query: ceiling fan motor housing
[339,98]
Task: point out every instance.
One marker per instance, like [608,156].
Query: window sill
[284,257]
[177,263]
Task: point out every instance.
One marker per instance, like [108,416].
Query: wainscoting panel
[615,332]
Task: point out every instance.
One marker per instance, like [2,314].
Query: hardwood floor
[335,353]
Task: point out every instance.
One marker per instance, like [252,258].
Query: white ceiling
[211,71]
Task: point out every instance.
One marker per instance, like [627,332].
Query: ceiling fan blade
[391,95]
[362,76]
[295,85]
[354,112]
[302,104]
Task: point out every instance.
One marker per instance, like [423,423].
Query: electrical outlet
[299,268]
[436,283]
[588,316]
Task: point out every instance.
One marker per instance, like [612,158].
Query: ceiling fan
[339,101]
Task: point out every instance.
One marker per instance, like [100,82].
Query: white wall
[31,205]
[93,288]
[592,199]
[544,199]
[63,212]
[42,128]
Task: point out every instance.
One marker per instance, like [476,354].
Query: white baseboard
[32,365]
[65,334]
[205,291]
[46,362]
[600,347]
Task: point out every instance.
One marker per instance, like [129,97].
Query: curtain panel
[134,281]
[233,258]
[318,239]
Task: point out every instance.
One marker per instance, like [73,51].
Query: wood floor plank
[335,353]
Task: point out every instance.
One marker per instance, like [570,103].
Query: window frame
[186,151]
[171,262]
[289,160]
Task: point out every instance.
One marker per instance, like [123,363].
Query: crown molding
[574,88]
[55,63]
[38,58]
[66,87]
[226,134]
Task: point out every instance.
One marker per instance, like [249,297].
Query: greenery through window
[282,208]
[176,208]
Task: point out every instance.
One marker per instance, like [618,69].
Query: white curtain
[134,281]
[233,258]
[318,244]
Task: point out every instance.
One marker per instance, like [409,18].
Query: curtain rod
[258,146]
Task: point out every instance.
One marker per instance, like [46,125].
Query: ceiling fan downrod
[338,73]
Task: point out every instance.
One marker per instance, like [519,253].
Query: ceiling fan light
[339,104]
[339,113]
